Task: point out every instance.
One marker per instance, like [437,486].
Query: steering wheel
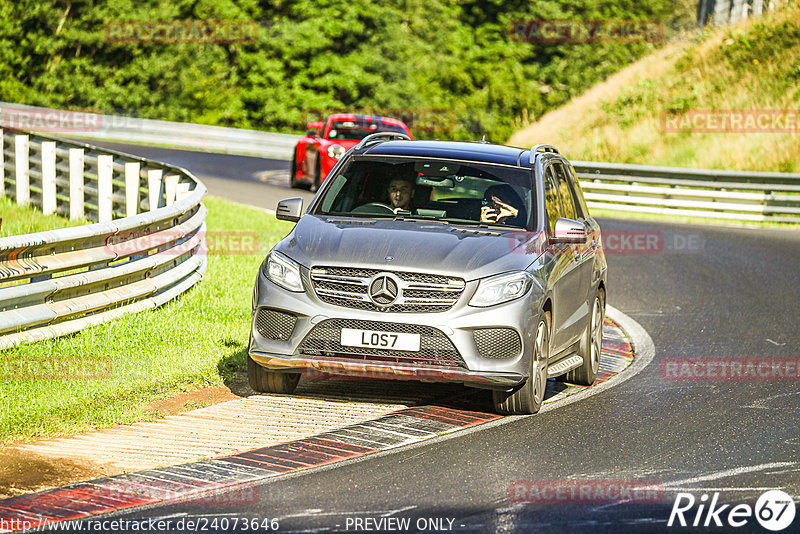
[371,208]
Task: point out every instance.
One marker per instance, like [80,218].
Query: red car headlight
[336,151]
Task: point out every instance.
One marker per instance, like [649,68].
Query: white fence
[729,195]
[147,247]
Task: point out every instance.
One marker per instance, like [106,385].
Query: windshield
[435,189]
[359,129]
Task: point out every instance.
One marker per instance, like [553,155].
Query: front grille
[275,325]
[416,292]
[497,342]
[436,349]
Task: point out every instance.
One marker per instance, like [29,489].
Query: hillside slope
[754,66]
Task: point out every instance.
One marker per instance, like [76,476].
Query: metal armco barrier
[732,195]
[147,247]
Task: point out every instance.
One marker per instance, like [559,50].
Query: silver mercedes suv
[435,261]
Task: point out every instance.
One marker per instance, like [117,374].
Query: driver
[401,191]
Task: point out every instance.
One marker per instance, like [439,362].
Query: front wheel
[266,381]
[591,345]
[528,399]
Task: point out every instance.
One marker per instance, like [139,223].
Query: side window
[551,198]
[576,188]
[567,202]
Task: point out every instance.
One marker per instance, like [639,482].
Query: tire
[293,170]
[591,345]
[317,175]
[265,381]
[528,398]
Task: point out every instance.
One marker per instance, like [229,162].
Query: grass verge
[18,220]
[197,340]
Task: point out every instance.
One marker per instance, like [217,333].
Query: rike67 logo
[774,510]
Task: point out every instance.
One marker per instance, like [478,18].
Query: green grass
[18,220]
[197,340]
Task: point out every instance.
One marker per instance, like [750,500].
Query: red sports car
[327,141]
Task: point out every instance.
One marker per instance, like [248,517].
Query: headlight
[501,288]
[336,151]
[283,271]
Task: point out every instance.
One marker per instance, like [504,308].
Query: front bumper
[343,367]
[456,324]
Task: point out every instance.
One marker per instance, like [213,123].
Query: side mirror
[569,231]
[290,209]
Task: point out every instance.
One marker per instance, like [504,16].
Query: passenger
[502,205]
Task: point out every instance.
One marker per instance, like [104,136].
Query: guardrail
[87,125]
[731,195]
[716,194]
[147,247]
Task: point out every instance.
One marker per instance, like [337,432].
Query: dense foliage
[450,65]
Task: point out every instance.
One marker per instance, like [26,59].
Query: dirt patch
[191,400]
[24,472]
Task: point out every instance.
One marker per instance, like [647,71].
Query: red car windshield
[357,130]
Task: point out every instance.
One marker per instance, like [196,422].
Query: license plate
[373,339]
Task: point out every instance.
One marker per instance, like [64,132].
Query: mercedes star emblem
[383,290]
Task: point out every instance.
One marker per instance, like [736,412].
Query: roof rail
[542,148]
[380,137]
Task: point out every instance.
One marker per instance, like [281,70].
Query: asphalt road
[707,292]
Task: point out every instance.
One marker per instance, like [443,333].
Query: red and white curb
[203,478]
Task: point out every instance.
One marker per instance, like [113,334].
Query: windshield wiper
[464,222]
[479,224]
[403,217]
